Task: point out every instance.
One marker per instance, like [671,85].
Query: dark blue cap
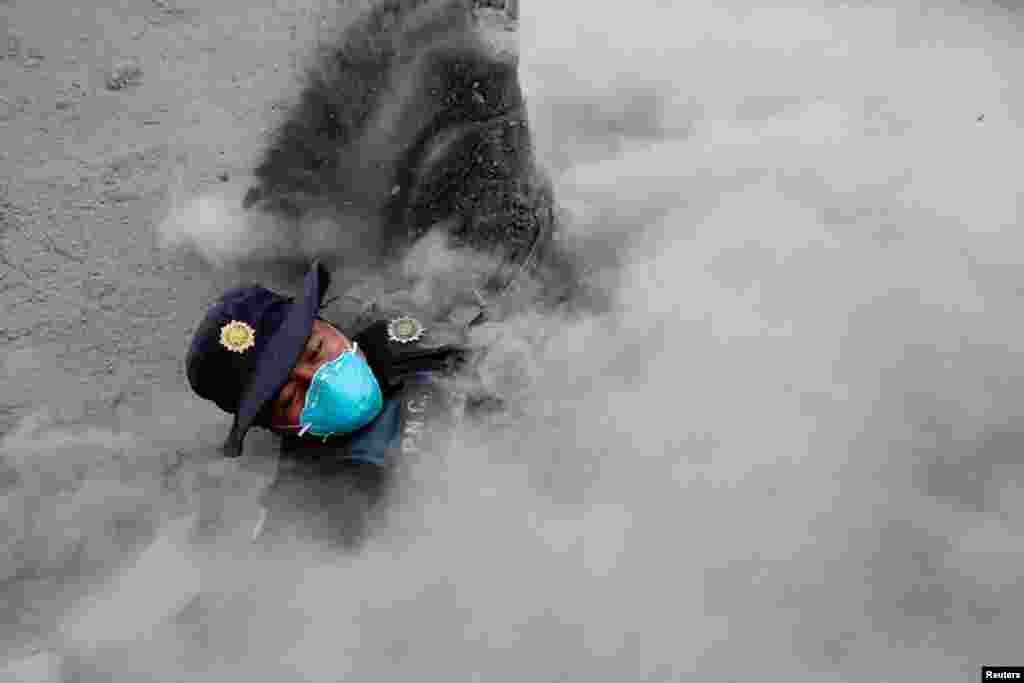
[246,346]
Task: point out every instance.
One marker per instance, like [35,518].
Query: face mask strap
[302,428]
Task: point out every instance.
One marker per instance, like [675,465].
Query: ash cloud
[790,446]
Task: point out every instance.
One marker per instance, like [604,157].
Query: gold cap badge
[404,330]
[237,336]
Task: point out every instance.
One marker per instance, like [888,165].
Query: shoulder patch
[405,329]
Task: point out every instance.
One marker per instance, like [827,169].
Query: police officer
[347,403]
[452,148]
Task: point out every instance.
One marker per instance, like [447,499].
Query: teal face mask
[344,396]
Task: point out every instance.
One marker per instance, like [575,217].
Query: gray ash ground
[86,177]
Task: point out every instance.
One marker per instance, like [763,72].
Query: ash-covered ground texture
[778,434]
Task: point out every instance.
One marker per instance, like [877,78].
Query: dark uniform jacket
[327,489]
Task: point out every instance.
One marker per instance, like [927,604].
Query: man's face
[325,344]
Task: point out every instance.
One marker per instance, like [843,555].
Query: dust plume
[789,449]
